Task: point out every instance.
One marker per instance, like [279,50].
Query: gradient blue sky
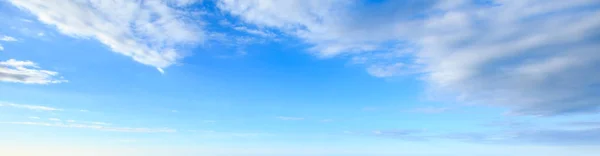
[300,77]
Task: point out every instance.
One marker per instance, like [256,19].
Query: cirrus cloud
[147,31]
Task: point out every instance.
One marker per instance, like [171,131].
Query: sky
[300,77]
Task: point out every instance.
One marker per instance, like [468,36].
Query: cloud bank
[536,57]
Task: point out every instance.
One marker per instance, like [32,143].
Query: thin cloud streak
[96,127]
[30,107]
[27,72]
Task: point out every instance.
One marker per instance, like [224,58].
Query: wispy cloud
[385,70]
[27,72]
[8,39]
[96,127]
[289,118]
[400,134]
[150,32]
[30,107]
[254,31]
[543,64]
[565,135]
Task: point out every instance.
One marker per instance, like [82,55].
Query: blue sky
[300,77]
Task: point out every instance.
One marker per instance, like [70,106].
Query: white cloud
[1,47]
[312,20]
[34,117]
[96,127]
[289,118]
[27,72]
[30,107]
[532,56]
[147,31]
[183,2]
[8,39]
[536,57]
[254,31]
[385,70]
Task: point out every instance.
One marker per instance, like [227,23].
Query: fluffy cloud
[536,57]
[27,72]
[147,31]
